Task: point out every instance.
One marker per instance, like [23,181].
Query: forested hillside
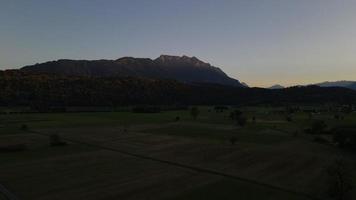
[43,91]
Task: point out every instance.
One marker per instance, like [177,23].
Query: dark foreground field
[123,155]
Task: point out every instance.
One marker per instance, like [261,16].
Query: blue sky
[261,42]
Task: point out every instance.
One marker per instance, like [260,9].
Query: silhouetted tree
[289,118]
[233,140]
[241,120]
[194,112]
[24,127]
[290,110]
[238,117]
[235,114]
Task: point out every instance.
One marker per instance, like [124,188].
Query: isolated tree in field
[340,181]
[177,118]
[238,117]
[290,110]
[289,118]
[242,121]
[194,112]
[24,127]
[235,114]
[233,140]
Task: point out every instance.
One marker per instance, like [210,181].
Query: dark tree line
[43,92]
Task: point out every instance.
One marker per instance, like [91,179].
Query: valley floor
[151,156]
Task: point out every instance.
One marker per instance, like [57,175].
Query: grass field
[124,155]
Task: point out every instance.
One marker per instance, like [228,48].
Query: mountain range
[345,84]
[166,80]
[182,68]
[277,86]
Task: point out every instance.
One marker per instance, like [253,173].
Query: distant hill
[277,86]
[185,69]
[345,84]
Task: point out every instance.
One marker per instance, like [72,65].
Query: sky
[260,42]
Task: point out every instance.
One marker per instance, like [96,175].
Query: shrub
[177,118]
[24,127]
[317,127]
[235,114]
[55,140]
[254,119]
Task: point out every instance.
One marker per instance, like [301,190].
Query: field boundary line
[185,166]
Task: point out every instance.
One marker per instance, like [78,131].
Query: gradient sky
[260,42]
